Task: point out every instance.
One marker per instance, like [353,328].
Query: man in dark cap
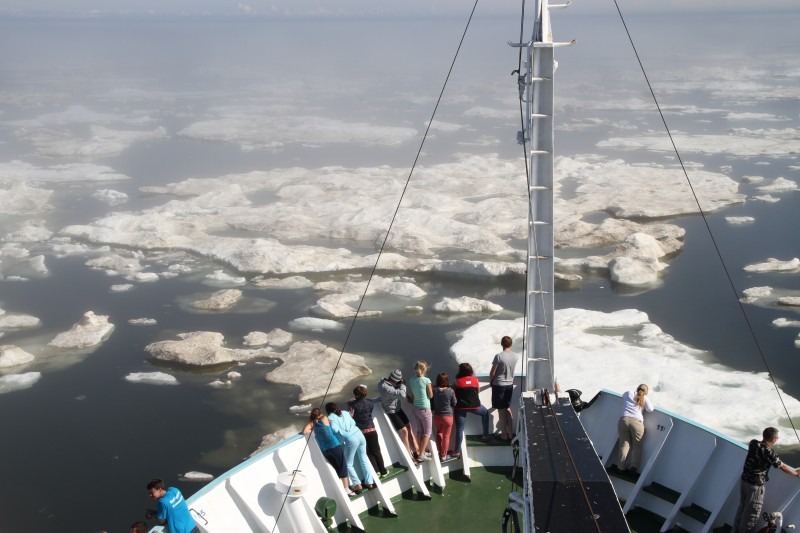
[760,456]
[392,391]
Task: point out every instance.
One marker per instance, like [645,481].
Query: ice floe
[11,355]
[152,378]
[786,323]
[219,301]
[121,287]
[29,231]
[465,304]
[307,323]
[277,338]
[90,331]
[20,199]
[13,321]
[252,129]
[13,382]
[110,196]
[615,351]
[775,265]
[778,185]
[738,221]
[222,277]
[142,321]
[202,348]
[790,301]
[200,477]
[290,282]
[322,360]
[755,293]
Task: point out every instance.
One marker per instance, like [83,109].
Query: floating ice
[19,199]
[220,276]
[767,198]
[18,321]
[791,301]
[291,282]
[786,323]
[13,382]
[741,143]
[202,348]
[196,476]
[301,409]
[755,293]
[775,265]
[90,331]
[779,185]
[738,221]
[63,173]
[142,321]
[252,129]
[145,277]
[465,304]
[11,355]
[276,338]
[219,301]
[752,179]
[30,231]
[307,323]
[617,350]
[123,287]
[151,378]
[317,381]
[275,438]
[110,196]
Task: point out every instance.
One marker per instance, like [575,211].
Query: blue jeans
[355,452]
[460,416]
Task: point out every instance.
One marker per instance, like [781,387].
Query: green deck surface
[463,505]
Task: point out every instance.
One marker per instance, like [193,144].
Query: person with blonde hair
[420,393]
[631,427]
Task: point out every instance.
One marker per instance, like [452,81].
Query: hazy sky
[359,8]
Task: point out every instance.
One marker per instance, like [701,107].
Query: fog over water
[176,155]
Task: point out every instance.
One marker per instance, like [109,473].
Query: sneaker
[425,458]
[447,458]
[428,454]
[383,474]
[351,494]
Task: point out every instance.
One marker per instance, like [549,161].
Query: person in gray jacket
[392,391]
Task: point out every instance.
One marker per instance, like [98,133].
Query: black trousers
[374,452]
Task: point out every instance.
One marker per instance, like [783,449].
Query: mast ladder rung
[539,292]
[540,326]
[539,257]
[539,188]
[540,79]
[538,44]
[539,115]
[541,223]
[539,152]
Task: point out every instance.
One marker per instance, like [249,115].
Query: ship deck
[465,504]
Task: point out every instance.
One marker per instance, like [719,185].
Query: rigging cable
[383,245]
[708,228]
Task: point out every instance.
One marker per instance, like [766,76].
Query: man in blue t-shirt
[172,509]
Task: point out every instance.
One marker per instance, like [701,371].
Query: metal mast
[536,90]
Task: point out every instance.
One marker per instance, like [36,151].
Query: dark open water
[78,447]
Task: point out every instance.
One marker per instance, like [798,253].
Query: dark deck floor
[463,505]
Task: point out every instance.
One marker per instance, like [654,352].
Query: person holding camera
[392,391]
